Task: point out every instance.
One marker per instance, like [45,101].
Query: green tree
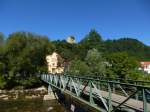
[2,67]
[78,67]
[66,50]
[92,40]
[96,62]
[2,82]
[26,54]
[1,39]
[121,65]
[136,75]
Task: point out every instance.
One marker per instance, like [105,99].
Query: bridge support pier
[49,89]
[50,95]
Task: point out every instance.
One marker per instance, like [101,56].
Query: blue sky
[58,19]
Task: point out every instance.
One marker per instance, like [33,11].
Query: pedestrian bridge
[103,94]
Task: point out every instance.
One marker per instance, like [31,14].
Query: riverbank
[23,93]
[30,105]
[36,100]
[29,100]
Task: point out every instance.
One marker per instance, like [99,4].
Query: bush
[2,82]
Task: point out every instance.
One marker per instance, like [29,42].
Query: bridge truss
[104,94]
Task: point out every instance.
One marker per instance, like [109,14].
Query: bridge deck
[117,99]
[132,103]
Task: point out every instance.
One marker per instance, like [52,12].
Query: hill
[132,46]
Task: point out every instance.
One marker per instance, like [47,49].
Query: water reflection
[32,105]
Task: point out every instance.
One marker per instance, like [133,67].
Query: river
[30,105]
[28,100]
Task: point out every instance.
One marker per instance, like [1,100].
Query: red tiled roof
[145,63]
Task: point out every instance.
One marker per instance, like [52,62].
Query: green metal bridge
[103,94]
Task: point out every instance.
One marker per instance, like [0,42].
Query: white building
[145,66]
[71,40]
[55,63]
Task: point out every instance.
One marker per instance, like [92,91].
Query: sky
[59,19]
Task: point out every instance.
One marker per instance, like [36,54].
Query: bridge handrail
[108,81]
[107,78]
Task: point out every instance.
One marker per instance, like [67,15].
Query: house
[145,66]
[55,63]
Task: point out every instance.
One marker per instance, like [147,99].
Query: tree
[122,65]
[2,67]
[66,50]
[136,75]
[92,40]
[2,82]
[26,54]
[78,67]
[1,39]
[96,62]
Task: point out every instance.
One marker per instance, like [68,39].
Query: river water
[31,105]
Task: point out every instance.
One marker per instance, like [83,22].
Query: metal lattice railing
[113,94]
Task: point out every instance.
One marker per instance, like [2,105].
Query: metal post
[113,86]
[109,98]
[46,77]
[49,89]
[79,83]
[60,83]
[70,84]
[136,95]
[91,96]
[98,85]
[144,100]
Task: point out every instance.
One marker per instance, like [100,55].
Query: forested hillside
[131,46]
[22,57]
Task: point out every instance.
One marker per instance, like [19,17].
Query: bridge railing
[130,81]
[94,86]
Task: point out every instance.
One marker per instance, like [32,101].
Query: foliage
[92,40]
[137,75]
[22,55]
[30,49]
[66,50]
[92,65]
[30,82]
[132,46]
[78,67]
[1,39]
[121,65]
[95,61]
[2,82]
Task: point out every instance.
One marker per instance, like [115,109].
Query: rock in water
[49,109]
[49,97]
